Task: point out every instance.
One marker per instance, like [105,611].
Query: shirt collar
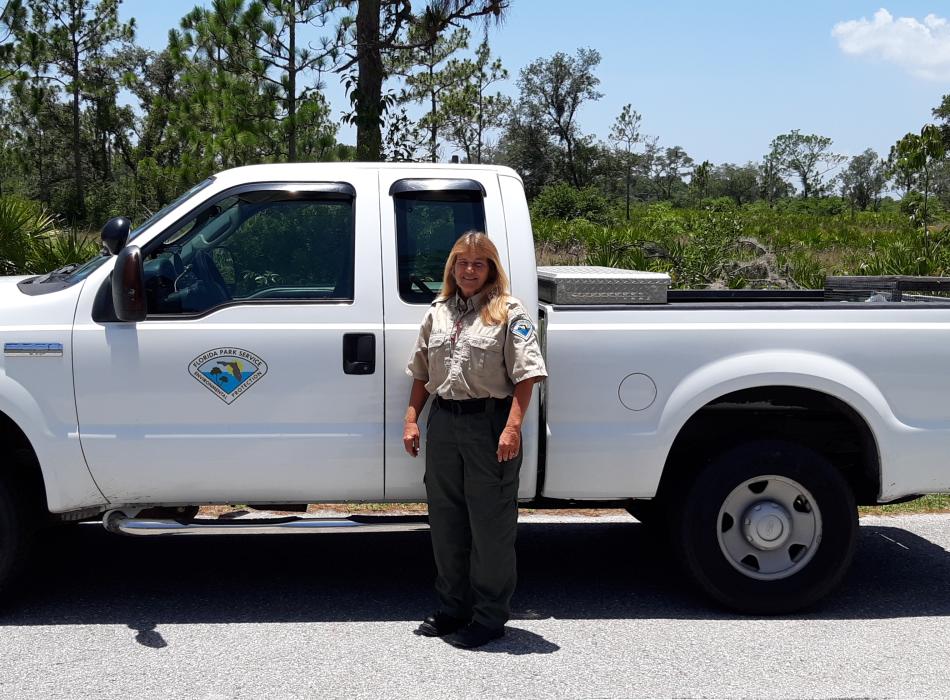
[465,305]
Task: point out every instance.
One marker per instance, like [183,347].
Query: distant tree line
[91,124]
[543,141]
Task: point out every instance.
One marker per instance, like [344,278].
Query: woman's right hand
[410,438]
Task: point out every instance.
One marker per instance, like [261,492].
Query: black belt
[466,406]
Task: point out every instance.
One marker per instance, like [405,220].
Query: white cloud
[920,47]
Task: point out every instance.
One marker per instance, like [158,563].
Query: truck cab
[280,307]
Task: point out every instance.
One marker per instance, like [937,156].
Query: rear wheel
[767,527]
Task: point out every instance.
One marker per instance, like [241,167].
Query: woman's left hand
[509,444]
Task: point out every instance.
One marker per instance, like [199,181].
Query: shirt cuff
[530,374]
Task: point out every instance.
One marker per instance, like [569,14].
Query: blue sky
[720,79]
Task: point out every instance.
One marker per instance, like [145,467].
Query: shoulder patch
[522,328]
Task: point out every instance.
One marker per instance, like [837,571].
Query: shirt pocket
[440,350]
[485,354]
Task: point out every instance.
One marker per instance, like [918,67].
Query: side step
[117,522]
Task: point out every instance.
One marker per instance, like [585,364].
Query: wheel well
[21,464]
[804,416]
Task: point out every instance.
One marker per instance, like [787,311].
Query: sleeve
[418,367]
[522,349]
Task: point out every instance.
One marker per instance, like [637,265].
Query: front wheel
[17,531]
[768,527]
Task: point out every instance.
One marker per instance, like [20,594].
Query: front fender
[69,485]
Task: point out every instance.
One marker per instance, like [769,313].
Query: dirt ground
[381,509]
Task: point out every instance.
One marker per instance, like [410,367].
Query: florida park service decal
[227,372]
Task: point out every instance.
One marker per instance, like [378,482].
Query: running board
[118,523]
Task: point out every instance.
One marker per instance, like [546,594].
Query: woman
[478,353]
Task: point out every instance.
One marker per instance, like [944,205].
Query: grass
[931,503]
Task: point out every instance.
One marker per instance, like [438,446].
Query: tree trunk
[926,192]
[568,142]
[292,88]
[433,127]
[41,171]
[79,204]
[480,124]
[628,191]
[369,85]
[105,152]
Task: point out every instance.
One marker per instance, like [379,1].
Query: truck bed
[624,380]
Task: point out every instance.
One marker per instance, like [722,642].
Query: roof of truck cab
[338,171]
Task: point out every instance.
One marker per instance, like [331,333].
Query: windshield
[87,268]
[168,207]
[84,270]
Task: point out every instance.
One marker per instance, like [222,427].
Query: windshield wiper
[64,270]
[55,274]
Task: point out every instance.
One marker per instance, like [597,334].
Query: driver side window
[259,246]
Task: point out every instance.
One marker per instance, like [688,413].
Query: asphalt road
[600,612]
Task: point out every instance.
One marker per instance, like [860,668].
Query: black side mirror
[128,285]
[115,233]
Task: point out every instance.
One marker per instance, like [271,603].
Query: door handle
[359,353]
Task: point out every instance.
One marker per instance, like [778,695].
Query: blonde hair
[496,290]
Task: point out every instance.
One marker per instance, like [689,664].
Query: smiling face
[474,267]
[471,271]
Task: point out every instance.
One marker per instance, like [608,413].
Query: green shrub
[718,204]
[30,242]
[796,243]
[564,202]
[804,270]
[60,248]
[814,206]
[922,253]
[24,225]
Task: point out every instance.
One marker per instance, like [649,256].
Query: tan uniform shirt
[459,357]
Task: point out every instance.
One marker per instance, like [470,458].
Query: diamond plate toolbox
[577,284]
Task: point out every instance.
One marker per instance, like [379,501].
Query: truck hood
[18,309]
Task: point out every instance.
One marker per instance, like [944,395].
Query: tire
[18,526]
[768,527]
[646,511]
[655,516]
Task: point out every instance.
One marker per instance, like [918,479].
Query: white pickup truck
[247,344]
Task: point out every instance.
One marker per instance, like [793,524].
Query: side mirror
[128,285]
[115,233]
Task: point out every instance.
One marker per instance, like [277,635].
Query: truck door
[423,214]
[257,374]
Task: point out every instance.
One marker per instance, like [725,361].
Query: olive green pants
[473,513]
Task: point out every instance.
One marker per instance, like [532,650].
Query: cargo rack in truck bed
[887,288]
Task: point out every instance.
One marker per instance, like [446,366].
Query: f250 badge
[228,372]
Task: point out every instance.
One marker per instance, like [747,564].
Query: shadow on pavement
[588,570]
[518,642]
